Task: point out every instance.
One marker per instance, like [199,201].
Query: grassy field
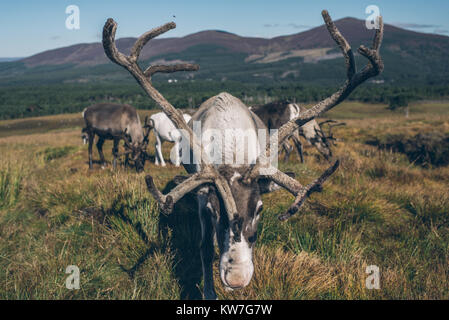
[377,209]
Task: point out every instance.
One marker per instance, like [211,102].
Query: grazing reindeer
[165,130]
[229,195]
[276,114]
[111,121]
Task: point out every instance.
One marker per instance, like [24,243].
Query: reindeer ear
[267,186]
[150,124]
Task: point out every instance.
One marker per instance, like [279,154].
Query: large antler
[354,79]
[207,174]
[143,77]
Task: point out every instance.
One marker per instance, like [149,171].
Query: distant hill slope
[306,56]
[8,59]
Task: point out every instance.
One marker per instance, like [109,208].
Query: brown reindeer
[276,114]
[110,121]
[229,195]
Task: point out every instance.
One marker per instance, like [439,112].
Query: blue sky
[29,27]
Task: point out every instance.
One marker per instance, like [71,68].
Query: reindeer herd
[228,192]
[117,122]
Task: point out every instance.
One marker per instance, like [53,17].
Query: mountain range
[309,56]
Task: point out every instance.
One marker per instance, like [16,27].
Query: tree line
[27,101]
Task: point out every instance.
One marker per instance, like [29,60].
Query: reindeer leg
[100,143]
[207,246]
[298,146]
[301,152]
[288,149]
[156,156]
[115,152]
[126,160]
[176,150]
[91,142]
[158,147]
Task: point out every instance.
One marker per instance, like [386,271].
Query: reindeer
[275,114]
[111,121]
[229,195]
[165,130]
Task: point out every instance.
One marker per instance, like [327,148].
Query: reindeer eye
[259,209]
[253,238]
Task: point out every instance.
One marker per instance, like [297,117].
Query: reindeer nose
[236,280]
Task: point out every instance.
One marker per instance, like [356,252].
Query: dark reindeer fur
[230,199]
[110,121]
[275,114]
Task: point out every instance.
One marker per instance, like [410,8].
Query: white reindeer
[229,195]
[165,130]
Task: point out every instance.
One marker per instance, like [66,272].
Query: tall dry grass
[378,209]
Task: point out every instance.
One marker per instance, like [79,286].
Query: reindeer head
[237,195]
[137,149]
[236,233]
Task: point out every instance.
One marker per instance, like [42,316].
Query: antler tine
[147,36]
[374,68]
[127,144]
[166,202]
[376,64]
[170,68]
[302,193]
[320,133]
[342,43]
[335,125]
[330,124]
[226,195]
[109,46]
[326,122]
[130,63]
[208,173]
[124,153]
[377,41]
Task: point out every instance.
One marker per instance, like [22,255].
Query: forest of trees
[27,101]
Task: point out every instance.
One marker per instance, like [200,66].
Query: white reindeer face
[236,236]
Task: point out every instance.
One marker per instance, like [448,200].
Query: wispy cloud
[415,25]
[445,31]
[299,26]
[431,28]
[290,25]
